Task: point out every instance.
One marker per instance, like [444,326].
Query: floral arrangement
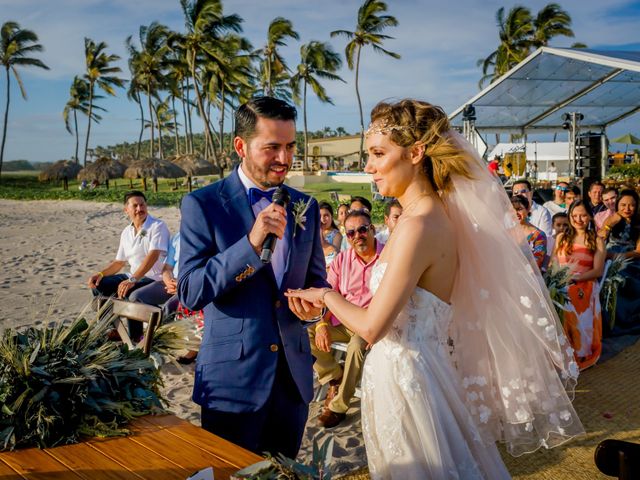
[557,278]
[62,382]
[610,285]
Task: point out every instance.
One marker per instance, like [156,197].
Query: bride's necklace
[413,202]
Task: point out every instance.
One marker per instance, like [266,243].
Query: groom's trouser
[328,368]
[277,427]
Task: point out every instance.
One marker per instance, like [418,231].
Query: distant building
[335,153]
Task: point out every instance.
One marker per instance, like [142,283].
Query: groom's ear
[240,146]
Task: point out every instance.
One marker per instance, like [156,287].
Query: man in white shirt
[143,244]
[539,216]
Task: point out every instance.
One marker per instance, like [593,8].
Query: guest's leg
[326,365]
[137,294]
[108,285]
[352,371]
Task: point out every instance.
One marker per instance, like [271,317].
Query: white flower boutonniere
[299,210]
[143,232]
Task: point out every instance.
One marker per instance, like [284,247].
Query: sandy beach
[51,248]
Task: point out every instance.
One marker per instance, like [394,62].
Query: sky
[439,41]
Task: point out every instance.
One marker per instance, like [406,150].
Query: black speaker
[588,155]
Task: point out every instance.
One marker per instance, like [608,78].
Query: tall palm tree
[149,65]
[317,61]
[273,64]
[205,23]
[515,32]
[368,27]
[165,117]
[520,34]
[79,102]
[99,72]
[551,22]
[15,46]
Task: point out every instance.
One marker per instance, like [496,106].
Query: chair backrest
[142,313]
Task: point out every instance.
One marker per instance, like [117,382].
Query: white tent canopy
[533,96]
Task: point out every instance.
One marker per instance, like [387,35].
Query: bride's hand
[314,296]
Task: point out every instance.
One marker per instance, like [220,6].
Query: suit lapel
[236,202]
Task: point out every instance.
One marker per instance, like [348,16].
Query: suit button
[278,303]
[273,348]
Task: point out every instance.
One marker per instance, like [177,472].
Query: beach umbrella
[194,165]
[102,170]
[627,139]
[61,170]
[154,168]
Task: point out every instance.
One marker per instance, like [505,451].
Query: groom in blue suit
[254,374]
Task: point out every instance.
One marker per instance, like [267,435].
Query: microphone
[280,197]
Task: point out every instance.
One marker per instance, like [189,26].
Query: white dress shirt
[133,248]
[540,218]
[281,252]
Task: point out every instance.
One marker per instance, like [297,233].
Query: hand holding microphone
[270,225]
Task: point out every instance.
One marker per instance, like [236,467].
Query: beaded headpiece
[383,128]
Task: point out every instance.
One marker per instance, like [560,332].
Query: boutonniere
[299,210]
[143,232]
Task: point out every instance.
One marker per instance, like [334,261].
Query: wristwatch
[133,279]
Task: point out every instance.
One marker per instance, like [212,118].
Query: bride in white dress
[453,270]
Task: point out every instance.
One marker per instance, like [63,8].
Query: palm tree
[551,22]
[101,73]
[317,61]
[369,25]
[148,65]
[15,44]
[205,24]
[273,64]
[165,117]
[79,102]
[520,34]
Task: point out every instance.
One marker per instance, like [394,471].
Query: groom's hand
[272,219]
[303,309]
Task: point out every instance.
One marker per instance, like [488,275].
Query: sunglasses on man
[562,189]
[361,230]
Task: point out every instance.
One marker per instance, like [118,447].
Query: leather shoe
[329,418]
[332,391]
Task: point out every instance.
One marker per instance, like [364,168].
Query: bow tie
[255,195]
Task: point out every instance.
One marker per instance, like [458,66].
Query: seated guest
[330,235]
[143,244]
[609,197]
[622,233]
[163,292]
[584,252]
[572,195]
[539,216]
[596,189]
[535,237]
[557,205]
[343,210]
[349,274]
[392,212]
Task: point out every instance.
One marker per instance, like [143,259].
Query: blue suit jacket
[245,312]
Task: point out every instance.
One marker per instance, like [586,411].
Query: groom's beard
[267,175]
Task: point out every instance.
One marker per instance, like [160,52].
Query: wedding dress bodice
[424,320]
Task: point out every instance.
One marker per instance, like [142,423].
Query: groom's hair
[265,107]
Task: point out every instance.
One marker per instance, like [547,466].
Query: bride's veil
[516,366]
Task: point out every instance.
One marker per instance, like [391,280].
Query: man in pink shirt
[349,274]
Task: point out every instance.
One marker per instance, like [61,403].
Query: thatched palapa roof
[102,170]
[154,167]
[194,165]
[60,170]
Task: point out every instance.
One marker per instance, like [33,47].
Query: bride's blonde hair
[412,121]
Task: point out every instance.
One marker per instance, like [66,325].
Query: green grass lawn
[25,186]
